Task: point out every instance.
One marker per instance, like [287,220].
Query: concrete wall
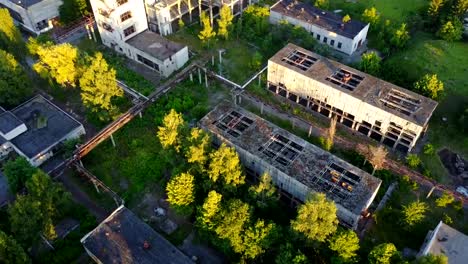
[348,45]
[306,87]
[44,10]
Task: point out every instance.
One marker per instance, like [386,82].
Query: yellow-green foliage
[168,133]
[180,190]
[224,21]
[346,18]
[225,164]
[197,151]
[316,219]
[254,238]
[99,85]
[371,16]
[382,254]
[207,33]
[445,199]
[345,243]
[210,209]
[430,85]
[413,213]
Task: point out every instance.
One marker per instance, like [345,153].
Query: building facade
[380,110]
[296,167]
[326,27]
[35,16]
[123,26]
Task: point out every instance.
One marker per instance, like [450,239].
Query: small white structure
[446,240]
[35,16]
[327,27]
[123,27]
[35,129]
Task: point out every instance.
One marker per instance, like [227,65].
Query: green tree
[432,259]
[72,10]
[18,172]
[210,209]
[321,4]
[371,16]
[225,22]
[316,218]
[207,33]
[288,255]
[430,85]
[225,164]
[400,36]
[444,200]
[181,190]
[434,7]
[199,146]
[255,21]
[264,193]
[413,213]
[10,36]
[11,252]
[451,30]
[26,219]
[255,239]
[346,19]
[382,254]
[256,61]
[429,149]
[234,217]
[460,7]
[413,160]
[370,63]
[168,134]
[345,244]
[59,63]
[14,83]
[99,85]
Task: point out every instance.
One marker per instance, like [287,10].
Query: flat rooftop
[155,45]
[321,171]
[47,125]
[120,239]
[448,241]
[8,122]
[25,3]
[322,18]
[384,95]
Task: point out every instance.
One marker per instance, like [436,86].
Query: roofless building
[297,167]
[378,109]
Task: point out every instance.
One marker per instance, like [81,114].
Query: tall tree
[400,36]
[430,85]
[255,239]
[460,7]
[225,22]
[10,37]
[58,63]
[371,16]
[210,209]
[432,259]
[288,255]
[413,213]
[72,10]
[199,146]
[11,252]
[181,190]
[15,85]
[377,157]
[450,31]
[26,219]
[99,85]
[316,218]
[370,63]
[207,33]
[345,244]
[434,7]
[264,193]
[168,133]
[235,216]
[382,254]
[225,165]
[18,172]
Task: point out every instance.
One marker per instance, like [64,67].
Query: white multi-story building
[327,27]
[35,16]
[123,26]
[380,110]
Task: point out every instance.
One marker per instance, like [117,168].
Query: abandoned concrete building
[164,15]
[297,167]
[123,238]
[448,241]
[380,110]
[35,129]
[327,27]
[123,26]
[35,16]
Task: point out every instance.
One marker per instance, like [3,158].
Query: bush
[429,149]
[413,160]
[445,200]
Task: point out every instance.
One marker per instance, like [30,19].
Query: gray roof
[317,169]
[448,241]
[2,140]
[155,45]
[120,239]
[321,18]
[25,3]
[8,122]
[56,124]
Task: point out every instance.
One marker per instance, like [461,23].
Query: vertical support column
[212,60]
[240,99]
[88,31]
[96,187]
[430,192]
[310,131]
[91,27]
[140,114]
[81,163]
[112,140]
[206,80]
[199,76]
[191,76]
[261,108]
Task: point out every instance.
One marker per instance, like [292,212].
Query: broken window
[345,79]
[299,60]
[338,181]
[281,149]
[401,102]
[234,123]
